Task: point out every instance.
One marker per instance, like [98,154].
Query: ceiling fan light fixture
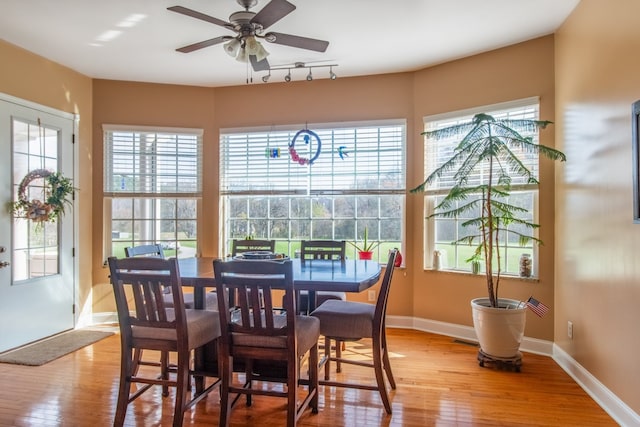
[255,48]
[232,47]
[262,53]
[243,56]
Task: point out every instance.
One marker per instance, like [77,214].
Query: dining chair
[155,251]
[320,249]
[352,321]
[253,331]
[240,246]
[211,301]
[149,324]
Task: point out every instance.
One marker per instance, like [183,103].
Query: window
[35,243]
[152,182]
[440,232]
[356,182]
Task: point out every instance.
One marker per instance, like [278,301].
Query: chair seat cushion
[345,319]
[321,296]
[203,327]
[307,335]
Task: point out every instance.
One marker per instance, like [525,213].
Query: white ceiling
[135,40]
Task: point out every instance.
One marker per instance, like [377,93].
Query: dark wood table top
[312,275]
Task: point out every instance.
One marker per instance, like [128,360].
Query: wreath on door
[56,193]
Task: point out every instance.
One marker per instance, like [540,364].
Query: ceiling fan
[249,28]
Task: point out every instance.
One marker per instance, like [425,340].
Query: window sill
[468,273]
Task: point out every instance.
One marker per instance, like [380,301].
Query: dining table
[311,275]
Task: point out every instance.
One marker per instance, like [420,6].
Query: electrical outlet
[372,295]
[570,329]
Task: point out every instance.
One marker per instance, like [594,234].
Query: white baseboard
[105,318]
[611,404]
[466,333]
[616,408]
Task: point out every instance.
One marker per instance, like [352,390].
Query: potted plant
[490,145]
[365,251]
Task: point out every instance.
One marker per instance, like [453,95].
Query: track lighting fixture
[309,77]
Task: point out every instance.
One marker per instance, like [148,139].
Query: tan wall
[145,104]
[597,268]
[33,78]
[515,72]
[116,102]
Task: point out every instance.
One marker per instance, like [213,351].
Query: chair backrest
[254,314]
[146,277]
[383,296]
[240,246]
[154,251]
[323,249]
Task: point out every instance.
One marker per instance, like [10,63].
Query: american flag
[537,307]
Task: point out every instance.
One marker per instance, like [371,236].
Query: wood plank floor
[439,384]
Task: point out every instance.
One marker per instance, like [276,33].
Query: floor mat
[49,349]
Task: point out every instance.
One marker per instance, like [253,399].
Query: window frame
[330,194]
[429,237]
[154,194]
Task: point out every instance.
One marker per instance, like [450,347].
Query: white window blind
[142,162]
[440,150]
[366,159]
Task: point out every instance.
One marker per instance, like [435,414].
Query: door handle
[4,264]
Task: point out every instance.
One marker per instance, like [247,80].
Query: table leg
[312,301]
[198,357]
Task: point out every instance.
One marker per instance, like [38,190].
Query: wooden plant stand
[510,363]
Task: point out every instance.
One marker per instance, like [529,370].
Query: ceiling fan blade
[195,14]
[297,41]
[202,44]
[259,65]
[274,11]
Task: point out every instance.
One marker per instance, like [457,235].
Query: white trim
[475,110]
[315,126]
[467,333]
[76,222]
[614,406]
[37,107]
[151,129]
[104,318]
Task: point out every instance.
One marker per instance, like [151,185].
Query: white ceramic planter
[499,330]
